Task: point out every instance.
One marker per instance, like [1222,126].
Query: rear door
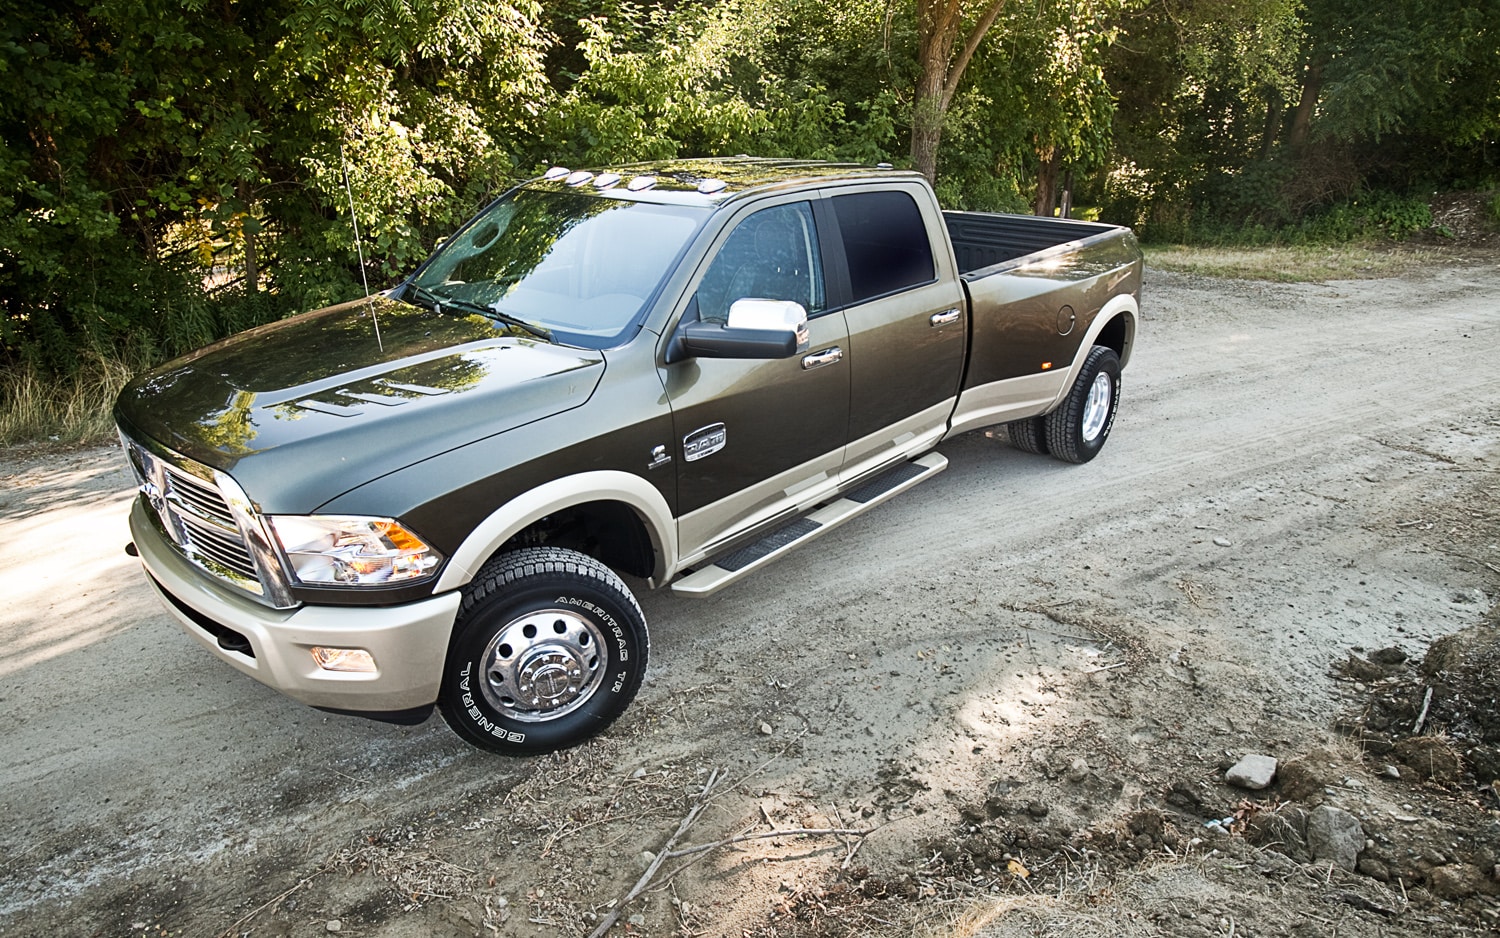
[893,274]
[757,438]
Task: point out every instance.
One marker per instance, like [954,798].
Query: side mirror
[756,329]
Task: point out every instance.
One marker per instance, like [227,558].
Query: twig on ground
[1105,667]
[767,835]
[1422,717]
[304,881]
[606,923]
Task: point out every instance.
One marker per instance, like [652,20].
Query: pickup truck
[673,372]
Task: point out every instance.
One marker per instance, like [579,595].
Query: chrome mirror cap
[773,315]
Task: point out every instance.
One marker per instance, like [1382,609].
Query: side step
[731,567]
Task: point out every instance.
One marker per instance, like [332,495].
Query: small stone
[647,857]
[637,920]
[1078,770]
[1036,809]
[1254,772]
[334,925]
[1223,542]
[765,729]
[1390,771]
[638,773]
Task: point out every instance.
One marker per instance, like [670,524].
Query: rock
[765,729]
[1223,542]
[1334,836]
[1455,881]
[1078,770]
[1254,772]
[1390,657]
[638,773]
[637,920]
[1359,669]
[334,925]
[1036,809]
[1431,757]
[647,858]
[1373,868]
[1390,771]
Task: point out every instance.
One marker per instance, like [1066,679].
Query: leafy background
[171,172]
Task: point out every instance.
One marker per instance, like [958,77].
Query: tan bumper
[408,642]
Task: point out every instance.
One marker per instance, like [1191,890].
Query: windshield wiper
[436,301]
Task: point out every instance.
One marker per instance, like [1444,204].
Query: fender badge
[659,458]
[704,441]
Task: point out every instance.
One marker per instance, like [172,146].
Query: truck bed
[985,241]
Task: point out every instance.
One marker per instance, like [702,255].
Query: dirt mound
[1438,719]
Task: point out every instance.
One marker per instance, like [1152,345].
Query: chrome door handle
[818,359]
[945,317]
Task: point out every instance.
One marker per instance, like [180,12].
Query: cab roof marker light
[579,178]
[555,173]
[710,186]
[607,180]
[641,183]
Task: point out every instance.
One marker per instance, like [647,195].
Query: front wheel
[549,649]
[1077,429]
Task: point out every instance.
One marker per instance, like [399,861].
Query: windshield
[580,267]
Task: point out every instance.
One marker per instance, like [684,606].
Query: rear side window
[885,243]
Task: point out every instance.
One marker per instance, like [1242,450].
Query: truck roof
[710,181]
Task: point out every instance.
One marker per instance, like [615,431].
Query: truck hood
[305,409]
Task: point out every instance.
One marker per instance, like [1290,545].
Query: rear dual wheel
[1077,429]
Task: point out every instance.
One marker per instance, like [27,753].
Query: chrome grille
[198,517]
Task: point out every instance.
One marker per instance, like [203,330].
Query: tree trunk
[927,123]
[252,263]
[1312,86]
[938,26]
[1046,185]
[1273,123]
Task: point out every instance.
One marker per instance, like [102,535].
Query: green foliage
[150,153]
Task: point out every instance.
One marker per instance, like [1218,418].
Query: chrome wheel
[542,666]
[1096,408]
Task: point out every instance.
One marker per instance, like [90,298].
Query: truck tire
[548,650]
[1077,429]
[1029,435]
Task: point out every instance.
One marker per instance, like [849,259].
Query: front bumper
[408,642]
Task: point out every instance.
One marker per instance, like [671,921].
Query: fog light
[343,659]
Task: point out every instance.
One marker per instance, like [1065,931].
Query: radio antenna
[359,246]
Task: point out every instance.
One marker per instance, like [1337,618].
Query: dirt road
[997,670]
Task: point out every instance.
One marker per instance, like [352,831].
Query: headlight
[345,551]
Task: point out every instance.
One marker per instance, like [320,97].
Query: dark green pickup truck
[675,371]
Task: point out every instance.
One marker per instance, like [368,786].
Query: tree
[942,61]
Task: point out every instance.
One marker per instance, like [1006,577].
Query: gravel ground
[1019,686]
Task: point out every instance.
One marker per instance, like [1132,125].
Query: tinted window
[885,242]
[772,255]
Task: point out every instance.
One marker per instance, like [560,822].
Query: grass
[1290,264]
[37,409]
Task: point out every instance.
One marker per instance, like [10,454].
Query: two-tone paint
[481,438]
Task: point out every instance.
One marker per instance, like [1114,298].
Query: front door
[756,439]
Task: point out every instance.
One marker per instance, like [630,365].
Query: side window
[772,255]
[885,243]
